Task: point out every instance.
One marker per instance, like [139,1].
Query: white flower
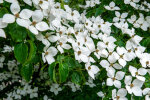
[131,2]
[61,42]
[120,17]
[120,94]
[90,83]
[106,64]
[55,88]
[46,97]
[1,1]
[114,79]
[129,55]
[48,55]
[146,92]
[37,23]
[81,54]
[120,55]
[72,15]
[92,69]
[112,6]
[145,60]
[138,73]
[2,58]
[42,3]
[2,25]
[100,94]
[73,86]
[133,87]
[29,2]
[44,39]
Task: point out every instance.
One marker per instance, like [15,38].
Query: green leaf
[21,52]
[51,71]
[75,77]
[120,43]
[146,42]
[3,11]
[32,52]
[70,61]
[26,72]
[63,71]
[99,11]
[17,32]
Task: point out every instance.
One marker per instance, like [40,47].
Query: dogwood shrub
[74,49]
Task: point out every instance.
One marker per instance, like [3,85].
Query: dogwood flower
[37,23]
[29,2]
[1,1]
[2,25]
[106,64]
[72,15]
[92,69]
[120,55]
[138,73]
[49,53]
[42,3]
[114,79]
[120,17]
[145,60]
[61,42]
[55,88]
[90,83]
[81,54]
[120,94]
[133,87]
[112,6]
[146,92]
[131,2]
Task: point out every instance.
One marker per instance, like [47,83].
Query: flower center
[136,73]
[99,26]
[76,33]
[89,68]
[79,52]
[117,97]
[131,85]
[97,50]
[41,2]
[113,78]
[60,43]
[110,53]
[129,50]
[111,64]
[78,43]
[33,23]
[106,43]
[72,14]
[147,62]
[136,49]
[46,53]
[121,56]
[17,15]
[86,24]
[60,32]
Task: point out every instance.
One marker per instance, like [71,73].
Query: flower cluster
[92,40]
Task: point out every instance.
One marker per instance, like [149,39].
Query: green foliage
[21,52]
[17,32]
[26,71]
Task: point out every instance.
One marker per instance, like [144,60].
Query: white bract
[120,94]
[133,86]
[114,79]
[92,69]
[112,6]
[138,73]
